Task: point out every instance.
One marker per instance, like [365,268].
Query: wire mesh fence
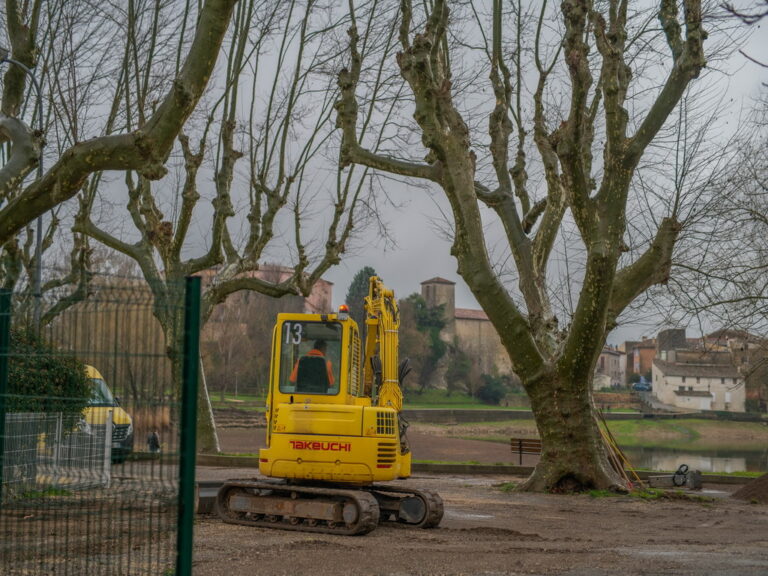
[41,452]
[96,487]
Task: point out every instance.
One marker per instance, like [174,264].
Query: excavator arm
[381,372]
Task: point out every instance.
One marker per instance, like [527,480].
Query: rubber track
[367,507]
[432,500]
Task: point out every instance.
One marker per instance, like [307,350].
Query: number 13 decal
[293,333]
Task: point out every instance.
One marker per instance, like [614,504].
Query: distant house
[696,378]
[639,356]
[609,372]
[750,354]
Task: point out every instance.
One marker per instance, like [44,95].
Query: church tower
[441,292]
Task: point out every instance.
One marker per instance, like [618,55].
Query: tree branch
[142,150]
[25,154]
[688,62]
[346,120]
[652,268]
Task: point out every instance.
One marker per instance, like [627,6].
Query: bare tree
[253,164]
[721,271]
[591,113]
[272,190]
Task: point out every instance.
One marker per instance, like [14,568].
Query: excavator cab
[333,429]
[321,423]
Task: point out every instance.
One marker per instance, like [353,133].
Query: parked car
[101,402]
[641,387]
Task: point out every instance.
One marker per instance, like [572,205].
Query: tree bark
[574,456]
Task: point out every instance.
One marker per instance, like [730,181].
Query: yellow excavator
[334,429]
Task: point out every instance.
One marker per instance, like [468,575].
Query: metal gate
[109,490]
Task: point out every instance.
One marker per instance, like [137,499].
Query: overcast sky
[422,253]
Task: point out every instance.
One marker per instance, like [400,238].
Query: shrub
[492,390]
[43,379]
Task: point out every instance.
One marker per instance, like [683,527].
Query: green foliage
[648,375]
[492,390]
[507,486]
[43,494]
[356,294]
[752,405]
[647,493]
[43,379]
[429,322]
[458,373]
[427,319]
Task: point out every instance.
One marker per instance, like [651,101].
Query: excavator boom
[381,345]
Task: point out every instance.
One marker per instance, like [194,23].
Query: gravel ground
[489,531]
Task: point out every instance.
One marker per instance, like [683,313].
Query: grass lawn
[247,402]
[689,434]
[440,399]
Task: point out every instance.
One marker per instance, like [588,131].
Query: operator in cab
[318,351]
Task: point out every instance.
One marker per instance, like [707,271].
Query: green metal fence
[107,487]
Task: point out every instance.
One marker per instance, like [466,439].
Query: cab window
[310,357]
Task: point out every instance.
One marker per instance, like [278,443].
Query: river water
[722,461]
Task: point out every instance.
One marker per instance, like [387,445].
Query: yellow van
[95,414]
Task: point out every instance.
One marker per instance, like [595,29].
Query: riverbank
[688,433]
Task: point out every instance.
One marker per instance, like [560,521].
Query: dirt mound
[755,491]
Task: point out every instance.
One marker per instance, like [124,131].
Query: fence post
[106,456]
[190,375]
[5,346]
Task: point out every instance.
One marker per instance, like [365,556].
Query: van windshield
[101,395]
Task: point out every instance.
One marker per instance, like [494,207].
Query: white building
[702,383]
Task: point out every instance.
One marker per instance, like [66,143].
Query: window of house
[681,388]
[683,378]
[722,380]
[698,380]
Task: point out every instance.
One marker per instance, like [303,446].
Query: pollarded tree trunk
[169,311]
[574,456]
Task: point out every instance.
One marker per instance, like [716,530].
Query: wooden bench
[522,446]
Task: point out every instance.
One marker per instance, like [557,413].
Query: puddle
[466,515]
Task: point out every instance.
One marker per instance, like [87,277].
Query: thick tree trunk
[207,438]
[574,456]
[171,319]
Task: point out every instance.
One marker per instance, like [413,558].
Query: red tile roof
[438,280]
[469,314]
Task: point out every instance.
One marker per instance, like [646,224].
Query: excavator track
[418,508]
[294,507]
